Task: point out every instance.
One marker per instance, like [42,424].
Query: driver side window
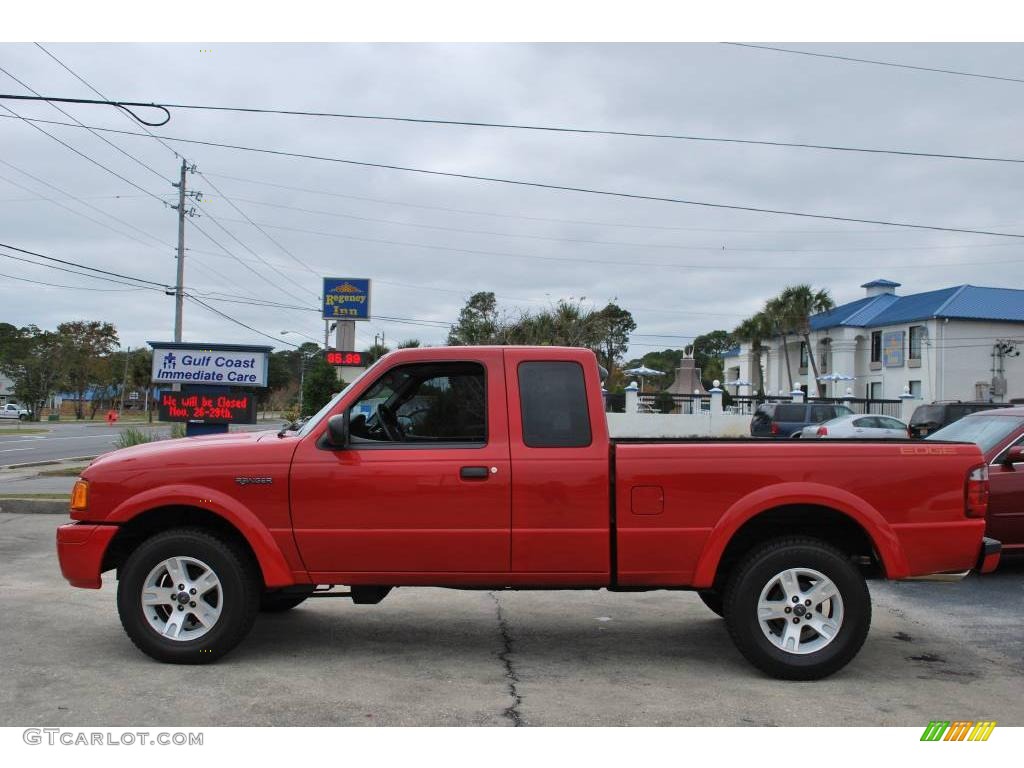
[425,404]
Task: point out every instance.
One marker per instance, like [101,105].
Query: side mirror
[1015,455]
[337,430]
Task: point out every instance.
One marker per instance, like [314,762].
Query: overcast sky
[680,270]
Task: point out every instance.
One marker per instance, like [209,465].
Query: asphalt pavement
[446,657]
[63,440]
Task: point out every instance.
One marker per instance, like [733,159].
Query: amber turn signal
[80,496]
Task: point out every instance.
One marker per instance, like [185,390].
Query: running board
[943,577]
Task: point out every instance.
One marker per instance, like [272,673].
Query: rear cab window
[553,404]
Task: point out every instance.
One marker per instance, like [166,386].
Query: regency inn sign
[210,364]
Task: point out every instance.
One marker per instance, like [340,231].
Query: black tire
[240,584]
[279,602]
[712,599]
[758,569]
[23,417]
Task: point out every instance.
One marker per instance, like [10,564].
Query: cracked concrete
[452,657]
[512,711]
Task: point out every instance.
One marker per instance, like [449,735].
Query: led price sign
[206,408]
[343,357]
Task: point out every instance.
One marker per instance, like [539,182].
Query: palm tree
[754,330]
[801,302]
[782,324]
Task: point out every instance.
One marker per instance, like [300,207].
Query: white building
[958,343]
[6,390]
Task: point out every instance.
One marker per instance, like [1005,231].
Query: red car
[492,468]
[1000,435]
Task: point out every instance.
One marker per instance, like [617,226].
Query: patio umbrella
[642,371]
[834,377]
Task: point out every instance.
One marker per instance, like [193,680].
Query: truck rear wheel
[187,597]
[798,609]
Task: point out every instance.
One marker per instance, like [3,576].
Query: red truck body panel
[911,504]
[630,514]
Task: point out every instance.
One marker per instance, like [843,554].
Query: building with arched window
[956,343]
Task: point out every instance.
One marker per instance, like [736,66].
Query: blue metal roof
[881,283]
[965,302]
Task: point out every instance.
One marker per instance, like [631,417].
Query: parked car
[789,419]
[859,425]
[509,480]
[1000,436]
[932,416]
[14,411]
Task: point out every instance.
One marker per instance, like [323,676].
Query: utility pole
[124,382]
[179,287]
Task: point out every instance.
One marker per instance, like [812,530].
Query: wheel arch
[140,518]
[805,509]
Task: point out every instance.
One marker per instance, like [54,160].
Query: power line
[880,63]
[708,266]
[557,187]
[230,202]
[236,321]
[252,252]
[32,122]
[71,287]
[99,136]
[617,243]
[588,131]
[150,133]
[73,272]
[89,85]
[584,222]
[72,210]
[162,286]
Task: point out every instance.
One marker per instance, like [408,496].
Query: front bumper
[80,549]
[988,560]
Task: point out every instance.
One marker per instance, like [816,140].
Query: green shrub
[177,430]
[133,436]
[663,402]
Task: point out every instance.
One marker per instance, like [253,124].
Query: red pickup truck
[492,468]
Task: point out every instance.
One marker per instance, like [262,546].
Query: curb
[47,463]
[34,507]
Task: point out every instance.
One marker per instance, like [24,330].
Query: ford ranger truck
[492,468]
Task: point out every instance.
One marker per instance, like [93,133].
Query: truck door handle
[474,473]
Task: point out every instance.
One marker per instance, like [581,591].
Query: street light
[299,333]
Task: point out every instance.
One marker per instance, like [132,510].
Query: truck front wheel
[187,597]
[798,609]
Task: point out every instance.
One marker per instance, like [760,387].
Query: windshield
[317,417]
[985,431]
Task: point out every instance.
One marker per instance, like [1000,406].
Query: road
[446,657]
[69,439]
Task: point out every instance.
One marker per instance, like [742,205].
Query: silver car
[865,425]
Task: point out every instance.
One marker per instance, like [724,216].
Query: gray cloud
[696,89]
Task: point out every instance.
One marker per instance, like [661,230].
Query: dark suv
[928,418]
[787,419]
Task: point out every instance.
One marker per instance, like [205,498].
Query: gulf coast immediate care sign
[209,364]
[346,298]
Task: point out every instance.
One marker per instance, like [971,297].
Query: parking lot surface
[446,657]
